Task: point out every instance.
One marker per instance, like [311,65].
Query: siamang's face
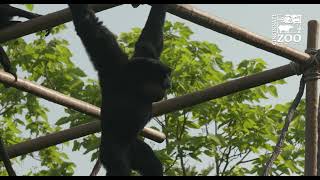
[154,82]
[155,88]
[151,77]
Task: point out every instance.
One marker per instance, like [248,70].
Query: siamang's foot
[14,75]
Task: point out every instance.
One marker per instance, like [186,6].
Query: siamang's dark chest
[125,112]
[123,102]
[120,102]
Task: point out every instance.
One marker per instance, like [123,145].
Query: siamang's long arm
[150,43]
[97,39]
[5,62]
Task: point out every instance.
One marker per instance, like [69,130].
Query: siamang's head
[149,77]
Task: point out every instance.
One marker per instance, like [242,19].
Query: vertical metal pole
[312,102]
[318,159]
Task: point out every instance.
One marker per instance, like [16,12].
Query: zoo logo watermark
[286,28]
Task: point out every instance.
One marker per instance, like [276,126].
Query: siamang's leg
[144,160]
[100,43]
[114,157]
[150,43]
[5,62]
[12,11]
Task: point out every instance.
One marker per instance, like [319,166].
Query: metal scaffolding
[188,12]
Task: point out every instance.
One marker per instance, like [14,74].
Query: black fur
[7,12]
[128,89]
[5,62]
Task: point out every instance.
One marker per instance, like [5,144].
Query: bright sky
[255,18]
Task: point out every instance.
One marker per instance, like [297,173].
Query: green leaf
[273,91]
[29,6]
[62,121]
[193,125]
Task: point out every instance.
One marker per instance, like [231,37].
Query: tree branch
[241,161]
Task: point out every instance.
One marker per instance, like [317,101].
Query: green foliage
[22,115]
[29,6]
[226,136]
[233,135]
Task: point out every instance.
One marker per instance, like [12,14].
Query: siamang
[7,12]
[128,89]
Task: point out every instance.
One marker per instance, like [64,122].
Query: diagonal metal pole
[204,19]
[184,11]
[6,159]
[160,108]
[44,22]
[312,101]
[318,156]
[67,101]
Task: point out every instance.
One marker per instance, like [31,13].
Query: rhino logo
[284,28]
